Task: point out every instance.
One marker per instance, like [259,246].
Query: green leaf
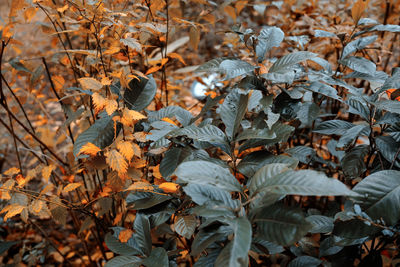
[207,236]
[207,133]
[5,245]
[142,233]
[269,37]
[145,200]
[235,254]
[394,131]
[124,261]
[358,45]
[389,148]
[256,134]
[380,28]
[185,225]
[210,196]
[118,247]
[255,160]
[101,134]
[207,173]
[264,174]
[232,111]
[320,224]
[328,247]
[353,162]
[359,64]
[281,225]
[212,65]
[337,127]
[291,59]
[380,195]
[181,114]
[322,33]
[207,259]
[354,229]
[388,105]
[157,258]
[172,158]
[323,89]
[393,82]
[304,154]
[352,134]
[358,106]
[305,261]
[140,93]
[305,183]
[235,67]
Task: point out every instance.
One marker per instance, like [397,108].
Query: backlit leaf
[70,187]
[90,84]
[126,149]
[89,149]
[116,161]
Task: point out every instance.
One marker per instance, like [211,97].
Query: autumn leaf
[125,235]
[12,171]
[116,161]
[126,149]
[12,210]
[46,172]
[169,121]
[177,56]
[140,186]
[37,205]
[99,102]
[130,116]
[89,149]
[111,106]
[153,69]
[70,187]
[90,84]
[358,10]
[169,187]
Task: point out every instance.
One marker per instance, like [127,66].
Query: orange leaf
[12,171]
[105,81]
[37,205]
[70,187]
[126,149]
[169,187]
[111,106]
[130,116]
[125,235]
[99,102]
[177,56]
[194,35]
[116,161]
[90,84]
[169,120]
[58,82]
[231,12]
[153,69]
[89,149]
[358,9]
[140,186]
[46,172]
[393,94]
[14,210]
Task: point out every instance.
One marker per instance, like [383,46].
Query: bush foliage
[290,154]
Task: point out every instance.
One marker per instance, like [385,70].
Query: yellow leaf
[169,187]
[169,120]
[89,149]
[116,161]
[112,50]
[105,81]
[14,210]
[29,13]
[125,235]
[358,9]
[46,172]
[99,102]
[177,56]
[126,149]
[90,84]
[137,150]
[12,171]
[140,186]
[6,187]
[130,116]
[111,106]
[16,5]
[37,205]
[62,9]
[153,69]
[70,187]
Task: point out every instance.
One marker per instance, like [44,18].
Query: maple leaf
[126,149]
[169,187]
[116,161]
[89,149]
[99,102]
